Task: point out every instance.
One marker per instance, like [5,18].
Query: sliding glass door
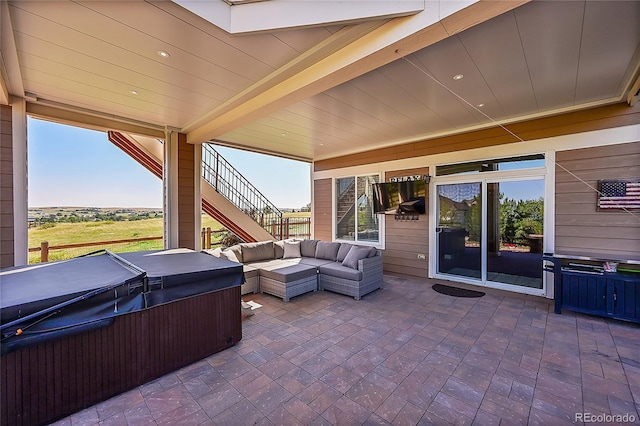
[490,231]
[459,229]
[515,212]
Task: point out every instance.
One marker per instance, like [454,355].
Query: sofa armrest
[371,267]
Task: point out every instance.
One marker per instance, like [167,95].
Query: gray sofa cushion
[327,250]
[342,252]
[291,249]
[314,262]
[308,248]
[278,249]
[288,273]
[273,263]
[345,247]
[237,252]
[355,254]
[262,250]
[335,269]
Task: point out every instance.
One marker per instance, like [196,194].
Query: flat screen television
[399,197]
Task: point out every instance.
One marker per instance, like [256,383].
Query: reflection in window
[512,163]
[355,217]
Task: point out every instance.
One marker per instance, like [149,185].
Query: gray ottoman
[288,281]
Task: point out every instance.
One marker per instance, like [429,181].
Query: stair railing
[230,183]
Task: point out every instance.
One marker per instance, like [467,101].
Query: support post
[44,251]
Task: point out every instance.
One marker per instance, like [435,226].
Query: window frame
[334,221]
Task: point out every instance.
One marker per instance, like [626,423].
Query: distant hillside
[89,214]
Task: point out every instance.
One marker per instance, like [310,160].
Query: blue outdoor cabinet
[613,295]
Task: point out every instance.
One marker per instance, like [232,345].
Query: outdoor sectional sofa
[290,268]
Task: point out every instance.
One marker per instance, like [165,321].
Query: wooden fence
[289,227]
[45,249]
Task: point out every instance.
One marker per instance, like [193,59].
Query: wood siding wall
[6,189]
[580,228]
[322,210]
[186,196]
[406,239]
[563,124]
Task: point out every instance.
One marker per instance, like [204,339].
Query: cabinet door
[586,293]
[626,299]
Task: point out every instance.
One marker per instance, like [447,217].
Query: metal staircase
[345,206]
[229,182]
[227,196]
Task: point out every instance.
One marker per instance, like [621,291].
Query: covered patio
[402,355]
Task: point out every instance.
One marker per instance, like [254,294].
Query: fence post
[208,237]
[286,224]
[44,251]
[202,238]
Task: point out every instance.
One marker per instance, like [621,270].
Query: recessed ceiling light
[163,53]
[133,92]
[283,134]
[480,105]
[458,77]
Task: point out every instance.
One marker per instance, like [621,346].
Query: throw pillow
[253,252]
[217,252]
[237,251]
[291,249]
[229,255]
[342,252]
[308,248]
[278,248]
[326,250]
[354,255]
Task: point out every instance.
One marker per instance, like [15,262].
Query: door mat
[455,291]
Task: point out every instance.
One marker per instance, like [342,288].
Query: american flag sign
[619,194]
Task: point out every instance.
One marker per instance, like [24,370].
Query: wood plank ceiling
[537,59]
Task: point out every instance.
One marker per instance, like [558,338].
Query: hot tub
[79,331]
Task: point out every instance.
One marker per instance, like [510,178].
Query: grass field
[85,232]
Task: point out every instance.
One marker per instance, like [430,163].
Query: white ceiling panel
[272,49]
[98,26]
[497,52]
[611,31]
[535,59]
[552,55]
[150,90]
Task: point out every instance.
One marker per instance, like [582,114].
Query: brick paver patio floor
[402,355]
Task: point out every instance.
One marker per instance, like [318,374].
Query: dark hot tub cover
[44,301]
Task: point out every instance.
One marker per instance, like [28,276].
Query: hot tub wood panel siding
[53,379]
[179,338]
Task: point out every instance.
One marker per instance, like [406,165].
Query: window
[355,218]
[513,163]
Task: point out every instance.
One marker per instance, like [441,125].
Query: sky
[72,166]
